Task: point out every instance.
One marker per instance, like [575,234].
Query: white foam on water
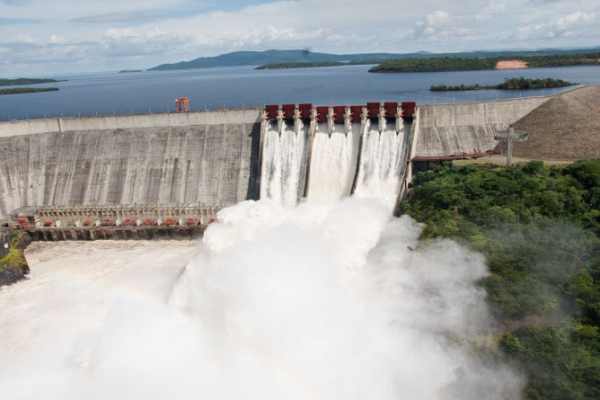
[309,302]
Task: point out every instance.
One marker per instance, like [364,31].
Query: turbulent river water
[317,301]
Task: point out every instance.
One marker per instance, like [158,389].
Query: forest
[26,81]
[539,229]
[26,90]
[442,64]
[508,84]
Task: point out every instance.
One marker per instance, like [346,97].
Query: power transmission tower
[510,137]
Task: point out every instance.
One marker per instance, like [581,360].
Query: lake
[243,87]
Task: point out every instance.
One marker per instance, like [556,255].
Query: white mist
[311,302]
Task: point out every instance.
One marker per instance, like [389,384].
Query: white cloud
[574,25]
[57,39]
[22,39]
[129,42]
[114,33]
[121,17]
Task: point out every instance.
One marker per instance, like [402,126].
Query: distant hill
[239,58]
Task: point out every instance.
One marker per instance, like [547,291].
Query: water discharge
[382,163]
[309,302]
[333,163]
[284,162]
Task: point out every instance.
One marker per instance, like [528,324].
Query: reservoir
[243,87]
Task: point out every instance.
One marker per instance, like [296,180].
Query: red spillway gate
[356,113]
[373,109]
[305,110]
[272,111]
[339,112]
[408,108]
[391,109]
[288,110]
[322,114]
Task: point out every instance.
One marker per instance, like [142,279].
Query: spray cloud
[311,302]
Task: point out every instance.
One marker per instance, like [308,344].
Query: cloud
[15,21]
[440,25]
[57,39]
[122,17]
[129,42]
[183,30]
[574,25]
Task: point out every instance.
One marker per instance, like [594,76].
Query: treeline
[442,64]
[315,64]
[26,81]
[508,84]
[26,90]
[523,83]
[435,64]
[539,229]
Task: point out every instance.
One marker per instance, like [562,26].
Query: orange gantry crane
[182,104]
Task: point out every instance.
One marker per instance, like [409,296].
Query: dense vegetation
[509,84]
[13,266]
[539,229]
[441,64]
[26,90]
[26,81]
[315,64]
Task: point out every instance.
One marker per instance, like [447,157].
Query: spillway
[283,172]
[333,162]
[382,162]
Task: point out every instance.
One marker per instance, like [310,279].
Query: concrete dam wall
[444,129]
[218,158]
[207,157]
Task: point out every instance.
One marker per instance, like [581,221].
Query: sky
[43,37]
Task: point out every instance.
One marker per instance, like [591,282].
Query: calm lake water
[242,87]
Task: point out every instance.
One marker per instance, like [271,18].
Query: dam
[175,171]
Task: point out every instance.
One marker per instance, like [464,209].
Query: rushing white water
[333,163]
[309,302]
[283,173]
[382,163]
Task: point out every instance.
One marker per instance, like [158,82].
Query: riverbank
[13,266]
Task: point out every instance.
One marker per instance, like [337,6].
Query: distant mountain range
[239,58]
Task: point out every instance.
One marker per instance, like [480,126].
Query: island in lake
[27,81]
[446,64]
[508,84]
[26,90]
